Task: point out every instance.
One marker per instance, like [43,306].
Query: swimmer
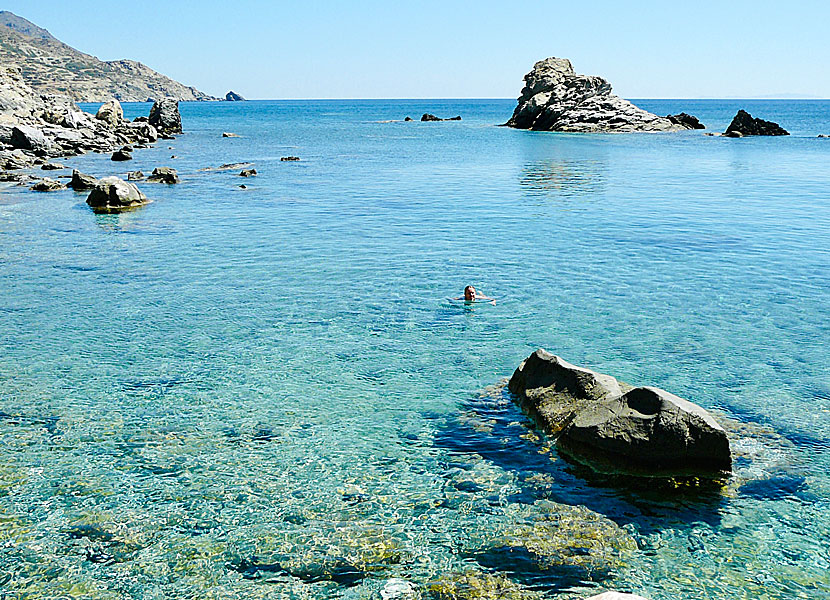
[471,295]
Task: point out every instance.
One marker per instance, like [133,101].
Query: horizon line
[434,98]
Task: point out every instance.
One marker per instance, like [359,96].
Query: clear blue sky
[429,49]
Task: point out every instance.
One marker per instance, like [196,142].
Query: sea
[269,391]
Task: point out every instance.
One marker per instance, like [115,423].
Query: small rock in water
[243,187]
[232,96]
[399,589]
[289,158]
[174,156]
[408,119]
[686,120]
[733,134]
[81,181]
[127,148]
[47,185]
[121,155]
[745,124]
[52,166]
[112,194]
[164,175]
[248,173]
[823,135]
[135,176]
[228,134]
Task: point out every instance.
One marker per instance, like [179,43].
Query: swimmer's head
[469,293]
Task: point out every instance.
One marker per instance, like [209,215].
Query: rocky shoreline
[37,128]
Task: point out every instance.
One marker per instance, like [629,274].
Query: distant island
[51,67]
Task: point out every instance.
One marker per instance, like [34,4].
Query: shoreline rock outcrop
[430,117]
[35,127]
[744,124]
[616,428]
[686,120]
[556,98]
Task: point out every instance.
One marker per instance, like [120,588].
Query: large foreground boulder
[112,194]
[615,428]
[165,117]
[555,98]
[745,124]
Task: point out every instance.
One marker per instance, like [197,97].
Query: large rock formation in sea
[51,67]
[555,98]
[616,428]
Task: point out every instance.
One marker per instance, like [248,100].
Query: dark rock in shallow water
[112,194]
[429,117]
[746,124]
[81,181]
[290,158]
[47,185]
[614,428]
[165,117]
[227,134]
[121,155]
[686,120]
[135,176]
[248,173]
[408,119]
[234,97]
[52,166]
[555,98]
[164,175]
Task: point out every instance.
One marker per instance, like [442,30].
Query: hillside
[51,67]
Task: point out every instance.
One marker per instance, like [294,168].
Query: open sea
[268,393]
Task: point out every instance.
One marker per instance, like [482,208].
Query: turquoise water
[265,393]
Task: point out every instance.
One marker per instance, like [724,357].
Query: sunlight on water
[267,393]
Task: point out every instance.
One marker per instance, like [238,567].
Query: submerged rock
[164,175]
[112,194]
[555,98]
[686,120]
[47,185]
[616,596]
[165,117]
[615,428]
[745,124]
[400,589]
[474,585]
[81,181]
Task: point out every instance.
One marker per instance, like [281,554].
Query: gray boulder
[15,159]
[233,97]
[553,391]
[110,113]
[135,176]
[112,194]
[121,155]
[30,138]
[615,428]
[82,181]
[47,185]
[555,98]
[165,117]
[164,175]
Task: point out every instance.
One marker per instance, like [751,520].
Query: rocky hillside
[51,67]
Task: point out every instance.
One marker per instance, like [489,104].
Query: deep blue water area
[269,393]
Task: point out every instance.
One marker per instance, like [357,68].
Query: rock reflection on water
[564,178]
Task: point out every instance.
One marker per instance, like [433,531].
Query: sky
[461,49]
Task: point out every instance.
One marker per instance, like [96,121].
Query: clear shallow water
[266,393]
